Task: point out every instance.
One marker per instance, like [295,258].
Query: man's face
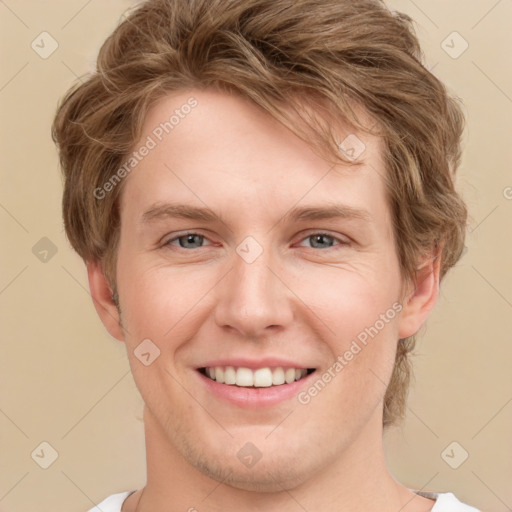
[262,287]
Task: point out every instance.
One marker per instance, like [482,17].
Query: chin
[269,476]
[278,469]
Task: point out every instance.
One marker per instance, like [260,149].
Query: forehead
[218,150]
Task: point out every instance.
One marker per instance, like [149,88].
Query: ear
[102,297]
[418,303]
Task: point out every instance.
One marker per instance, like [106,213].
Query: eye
[187,241]
[195,241]
[324,240]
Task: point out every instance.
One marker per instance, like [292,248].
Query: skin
[304,299]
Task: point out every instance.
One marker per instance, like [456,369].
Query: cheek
[346,394]
[347,300]
[357,312]
[159,302]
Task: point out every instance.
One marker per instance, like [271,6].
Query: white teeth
[260,378]
[229,375]
[278,377]
[244,377]
[289,375]
[263,378]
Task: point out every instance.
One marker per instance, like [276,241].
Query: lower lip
[252,398]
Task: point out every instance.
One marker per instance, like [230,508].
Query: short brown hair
[337,53]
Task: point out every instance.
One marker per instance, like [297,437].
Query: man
[262,191]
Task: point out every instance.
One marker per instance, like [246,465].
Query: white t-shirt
[445,502]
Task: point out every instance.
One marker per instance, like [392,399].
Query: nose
[253,299]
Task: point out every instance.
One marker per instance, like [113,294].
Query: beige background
[64,381]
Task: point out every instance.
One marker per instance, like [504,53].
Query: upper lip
[271,362]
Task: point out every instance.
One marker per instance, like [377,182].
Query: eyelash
[319,233]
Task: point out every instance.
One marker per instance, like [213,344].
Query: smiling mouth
[259,378]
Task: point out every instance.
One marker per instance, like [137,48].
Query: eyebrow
[184,211]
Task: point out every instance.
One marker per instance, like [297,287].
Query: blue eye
[195,241]
[319,240]
[189,238]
